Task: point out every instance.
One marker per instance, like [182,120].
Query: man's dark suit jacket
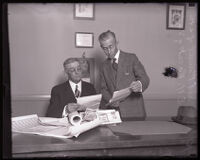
[129,69]
[62,94]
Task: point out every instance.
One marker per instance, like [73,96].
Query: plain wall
[42,36]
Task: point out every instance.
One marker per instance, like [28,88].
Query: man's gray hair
[70,60]
[105,35]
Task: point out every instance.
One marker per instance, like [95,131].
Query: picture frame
[88,69]
[84,40]
[176,16]
[84,11]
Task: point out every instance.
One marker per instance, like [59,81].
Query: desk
[101,141]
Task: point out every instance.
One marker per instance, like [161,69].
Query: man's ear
[65,70]
[65,73]
[117,42]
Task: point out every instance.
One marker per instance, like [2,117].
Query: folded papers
[92,101]
[67,127]
[31,124]
[119,95]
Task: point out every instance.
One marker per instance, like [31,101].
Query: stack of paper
[31,124]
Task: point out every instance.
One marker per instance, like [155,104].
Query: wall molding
[30,97]
[41,97]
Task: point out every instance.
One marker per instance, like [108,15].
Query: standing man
[63,96]
[121,70]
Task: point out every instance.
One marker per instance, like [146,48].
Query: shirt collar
[117,56]
[73,85]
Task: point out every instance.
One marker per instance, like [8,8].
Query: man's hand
[136,86]
[115,104]
[90,115]
[71,107]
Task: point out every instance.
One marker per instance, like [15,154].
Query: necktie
[77,92]
[114,64]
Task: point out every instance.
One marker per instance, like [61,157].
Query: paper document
[109,116]
[90,101]
[71,126]
[120,95]
[31,124]
[84,126]
[102,117]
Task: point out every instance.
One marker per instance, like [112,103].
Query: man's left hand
[115,104]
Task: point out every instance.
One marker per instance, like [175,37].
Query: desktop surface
[103,141]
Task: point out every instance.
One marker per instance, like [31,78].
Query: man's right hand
[115,104]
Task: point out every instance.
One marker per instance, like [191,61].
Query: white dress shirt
[73,86]
[117,56]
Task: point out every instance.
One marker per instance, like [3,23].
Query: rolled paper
[75,118]
[77,130]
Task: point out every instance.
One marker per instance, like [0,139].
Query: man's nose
[108,50]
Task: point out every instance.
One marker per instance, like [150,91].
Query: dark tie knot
[77,92]
[114,64]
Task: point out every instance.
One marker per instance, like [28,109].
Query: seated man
[65,94]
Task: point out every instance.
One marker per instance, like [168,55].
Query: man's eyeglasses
[107,48]
[71,70]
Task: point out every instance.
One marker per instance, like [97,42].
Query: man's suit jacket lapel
[120,71]
[110,74]
[68,91]
[83,89]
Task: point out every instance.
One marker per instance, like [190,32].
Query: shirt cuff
[140,85]
[64,113]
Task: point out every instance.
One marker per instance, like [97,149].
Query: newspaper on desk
[63,127]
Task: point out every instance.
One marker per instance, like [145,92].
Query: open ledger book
[62,127]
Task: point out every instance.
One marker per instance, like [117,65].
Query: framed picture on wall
[84,11]
[84,39]
[176,16]
[88,69]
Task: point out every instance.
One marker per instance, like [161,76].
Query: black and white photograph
[99,80]
[176,16]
